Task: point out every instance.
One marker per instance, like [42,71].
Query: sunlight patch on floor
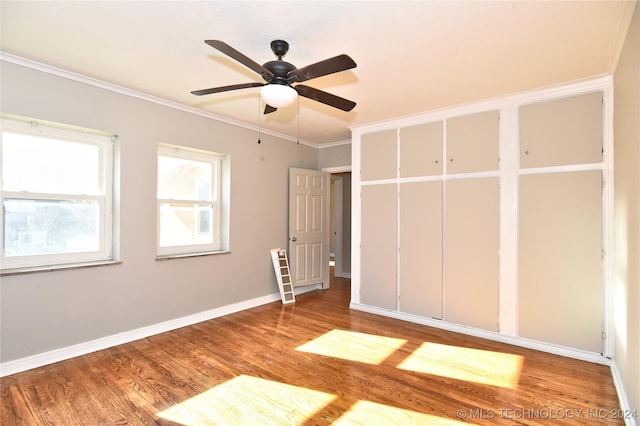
[473,365]
[368,413]
[352,346]
[251,401]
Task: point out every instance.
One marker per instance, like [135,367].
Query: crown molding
[336,143]
[38,66]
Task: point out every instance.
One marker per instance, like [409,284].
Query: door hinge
[604,336]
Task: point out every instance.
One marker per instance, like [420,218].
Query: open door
[309,227]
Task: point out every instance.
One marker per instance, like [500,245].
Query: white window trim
[106,144]
[219,204]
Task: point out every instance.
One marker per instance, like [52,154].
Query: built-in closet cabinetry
[421,163]
[430,223]
[380,224]
[471,220]
[490,219]
[560,293]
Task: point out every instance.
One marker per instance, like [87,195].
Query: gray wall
[335,156]
[44,311]
[627,213]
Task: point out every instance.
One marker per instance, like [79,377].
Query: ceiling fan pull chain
[298,129]
[259,126]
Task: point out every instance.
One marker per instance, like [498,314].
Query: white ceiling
[412,57]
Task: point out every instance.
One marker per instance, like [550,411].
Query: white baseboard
[490,335]
[56,355]
[305,289]
[622,397]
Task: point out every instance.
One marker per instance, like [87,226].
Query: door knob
[294,239]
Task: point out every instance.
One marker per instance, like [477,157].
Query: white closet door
[421,150]
[379,241]
[471,252]
[421,248]
[560,132]
[379,155]
[560,269]
[472,142]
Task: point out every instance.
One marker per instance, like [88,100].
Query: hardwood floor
[314,362]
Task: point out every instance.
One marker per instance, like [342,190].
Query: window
[56,194]
[192,201]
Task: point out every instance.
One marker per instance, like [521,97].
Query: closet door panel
[421,249]
[472,142]
[379,242]
[561,132]
[379,153]
[471,252]
[560,268]
[421,150]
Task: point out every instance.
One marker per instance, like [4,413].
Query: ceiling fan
[280,75]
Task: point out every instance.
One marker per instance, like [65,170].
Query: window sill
[182,255]
[51,268]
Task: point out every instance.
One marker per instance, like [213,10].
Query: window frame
[219,202]
[104,199]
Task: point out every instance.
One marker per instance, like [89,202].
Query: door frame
[339,240]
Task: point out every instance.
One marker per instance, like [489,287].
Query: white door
[561,228]
[309,227]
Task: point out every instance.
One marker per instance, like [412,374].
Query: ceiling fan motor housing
[280,69]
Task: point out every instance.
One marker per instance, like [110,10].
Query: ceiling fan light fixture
[278,95]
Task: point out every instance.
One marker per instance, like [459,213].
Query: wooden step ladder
[281,268]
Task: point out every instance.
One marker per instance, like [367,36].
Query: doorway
[340,223]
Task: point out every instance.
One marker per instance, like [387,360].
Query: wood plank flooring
[314,362]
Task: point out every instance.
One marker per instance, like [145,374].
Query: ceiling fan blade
[328,66]
[225,88]
[244,60]
[325,98]
[268,109]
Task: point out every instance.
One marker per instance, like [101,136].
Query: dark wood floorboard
[244,368]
